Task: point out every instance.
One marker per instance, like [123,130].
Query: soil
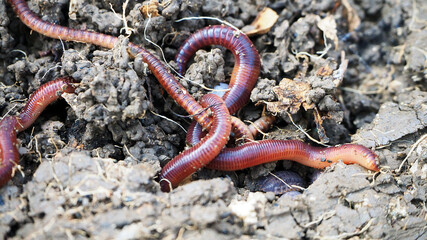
[88,166]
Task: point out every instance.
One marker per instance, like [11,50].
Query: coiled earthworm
[166,79]
[41,98]
[203,152]
[247,61]
[252,154]
[245,72]
[280,182]
[9,126]
[8,148]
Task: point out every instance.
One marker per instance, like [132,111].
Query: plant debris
[262,23]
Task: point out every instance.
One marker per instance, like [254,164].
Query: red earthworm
[252,154]
[166,79]
[9,155]
[176,91]
[242,81]
[30,19]
[255,153]
[9,126]
[247,61]
[194,134]
[203,152]
[245,72]
[240,130]
[41,98]
[261,125]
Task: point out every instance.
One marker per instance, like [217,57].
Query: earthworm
[261,125]
[255,153]
[245,72]
[10,125]
[30,19]
[194,134]
[310,155]
[190,160]
[241,132]
[166,79]
[41,98]
[247,61]
[242,81]
[9,155]
[238,128]
[280,183]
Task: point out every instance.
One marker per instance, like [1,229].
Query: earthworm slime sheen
[247,61]
[41,98]
[245,72]
[255,153]
[252,154]
[11,125]
[190,160]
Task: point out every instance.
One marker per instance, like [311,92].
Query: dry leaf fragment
[329,28]
[150,9]
[262,23]
[291,95]
[352,17]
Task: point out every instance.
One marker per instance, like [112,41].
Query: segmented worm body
[245,72]
[255,153]
[243,79]
[247,61]
[194,134]
[166,79]
[8,148]
[241,132]
[30,19]
[9,126]
[203,152]
[261,125]
[41,98]
[280,182]
[252,154]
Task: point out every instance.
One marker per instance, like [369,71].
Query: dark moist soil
[88,165]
